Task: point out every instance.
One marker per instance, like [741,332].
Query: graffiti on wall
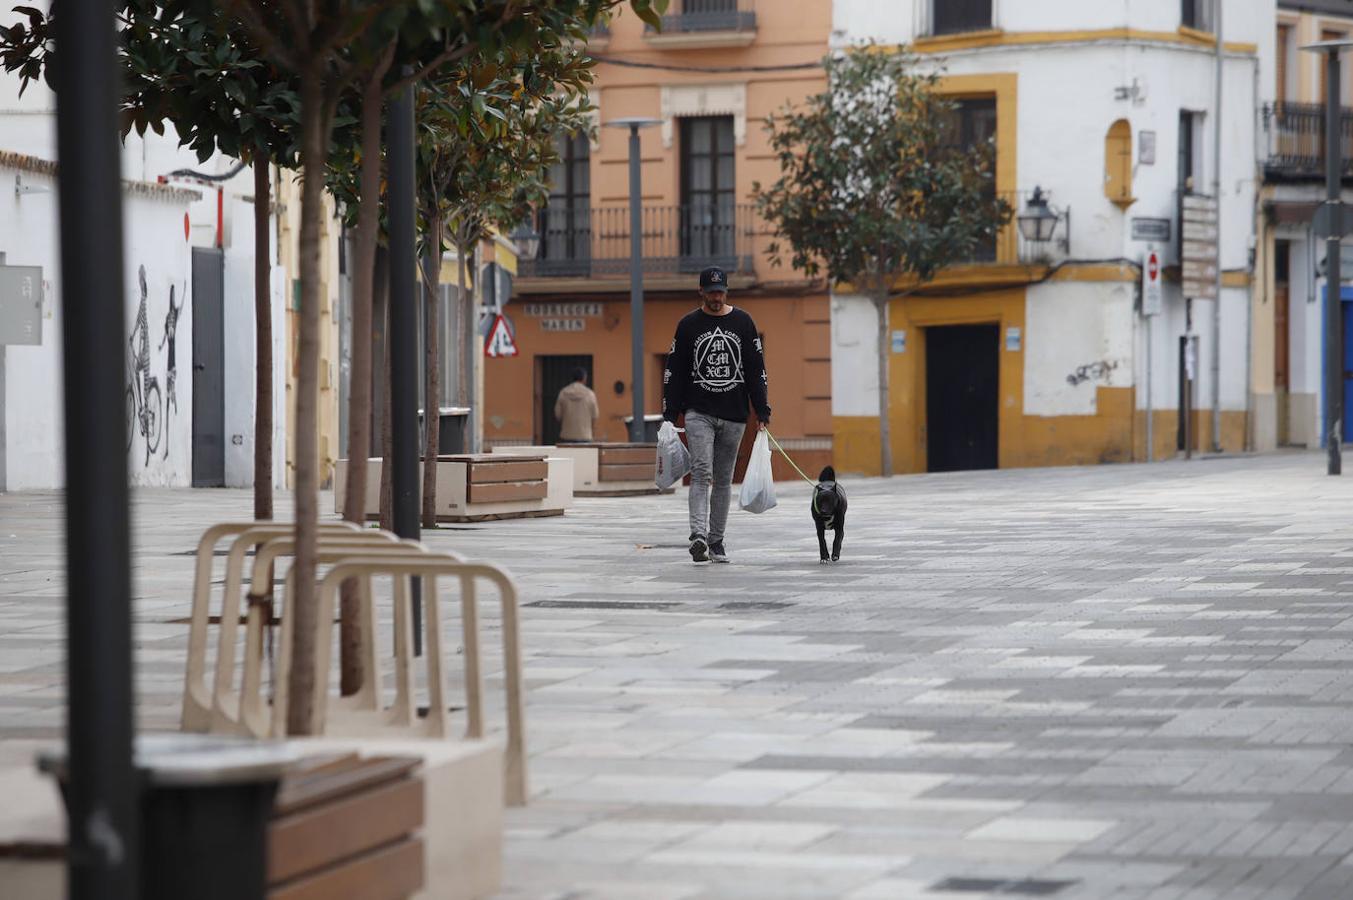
[171,326]
[143,398]
[1095,371]
[149,405]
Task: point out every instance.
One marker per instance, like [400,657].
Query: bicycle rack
[429,569]
[197,695]
[251,714]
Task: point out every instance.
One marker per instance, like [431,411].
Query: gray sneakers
[716,552]
[699,549]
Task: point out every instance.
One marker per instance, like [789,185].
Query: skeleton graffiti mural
[143,398]
[171,325]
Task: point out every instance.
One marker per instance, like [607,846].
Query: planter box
[477,488]
[603,470]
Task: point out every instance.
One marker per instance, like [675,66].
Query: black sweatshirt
[716,367]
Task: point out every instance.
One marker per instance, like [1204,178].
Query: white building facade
[189,245]
[1037,354]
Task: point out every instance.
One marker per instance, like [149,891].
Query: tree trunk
[885,423]
[359,402]
[263,364]
[432,383]
[302,607]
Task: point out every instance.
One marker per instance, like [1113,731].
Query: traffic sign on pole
[1151,287]
[500,341]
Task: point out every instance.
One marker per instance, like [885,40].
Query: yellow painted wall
[1024,440]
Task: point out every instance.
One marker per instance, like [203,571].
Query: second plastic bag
[758,485]
[674,460]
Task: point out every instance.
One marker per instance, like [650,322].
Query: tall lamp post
[1330,220]
[636,275]
[103,794]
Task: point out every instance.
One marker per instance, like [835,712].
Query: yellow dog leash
[788,457]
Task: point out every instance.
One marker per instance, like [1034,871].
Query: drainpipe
[1216,192]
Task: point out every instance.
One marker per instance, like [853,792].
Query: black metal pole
[404,330]
[1334,337]
[103,798]
[636,291]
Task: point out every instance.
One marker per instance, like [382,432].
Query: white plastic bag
[674,460]
[758,485]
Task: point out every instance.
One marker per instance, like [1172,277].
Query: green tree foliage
[875,189]
[487,134]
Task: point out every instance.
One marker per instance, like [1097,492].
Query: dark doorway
[208,368]
[553,374]
[962,397]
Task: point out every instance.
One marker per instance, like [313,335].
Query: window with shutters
[707,191]
[565,224]
[1118,163]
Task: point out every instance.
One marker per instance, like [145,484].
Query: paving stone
[1125,681]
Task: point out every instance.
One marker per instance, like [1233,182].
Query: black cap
[714,279]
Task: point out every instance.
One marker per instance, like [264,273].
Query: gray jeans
[714,452]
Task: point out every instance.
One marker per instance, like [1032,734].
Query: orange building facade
[711,77]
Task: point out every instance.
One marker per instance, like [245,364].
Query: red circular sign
[1152,267]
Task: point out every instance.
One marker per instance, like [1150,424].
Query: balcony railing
[1296,140]
[595,243]
[708,15]
[1008,246]
[959,16]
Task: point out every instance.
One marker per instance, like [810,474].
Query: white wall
[899,21]
[153,235]
[855,356]
[1078,338]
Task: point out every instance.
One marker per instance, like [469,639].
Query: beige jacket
[576,410]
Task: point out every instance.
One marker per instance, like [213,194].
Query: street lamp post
[636,275]
[403,338]
[1333,215]
[103,793]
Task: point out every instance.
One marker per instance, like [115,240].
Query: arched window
[1118,163]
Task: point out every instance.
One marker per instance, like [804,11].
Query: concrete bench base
[462,827]
[460,498]
[32,836]
[463,809]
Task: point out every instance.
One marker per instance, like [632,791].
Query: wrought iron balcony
[692,21]
[595,242]
[1008,246]
[1296,140]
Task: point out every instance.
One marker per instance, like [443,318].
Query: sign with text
[564,310]
[1152,295]
[1154,230]
[1198,246]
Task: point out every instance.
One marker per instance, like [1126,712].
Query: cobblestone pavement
[1123,681]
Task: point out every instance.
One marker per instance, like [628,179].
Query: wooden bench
[341,826]
[476,488]
[348,827]
[603,470]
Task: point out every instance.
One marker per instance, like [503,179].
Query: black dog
[829,511]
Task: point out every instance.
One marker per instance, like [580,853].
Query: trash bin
[652,423]
[205,808]
[451,427]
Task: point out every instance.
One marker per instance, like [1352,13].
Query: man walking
[576,409]
[716,372]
